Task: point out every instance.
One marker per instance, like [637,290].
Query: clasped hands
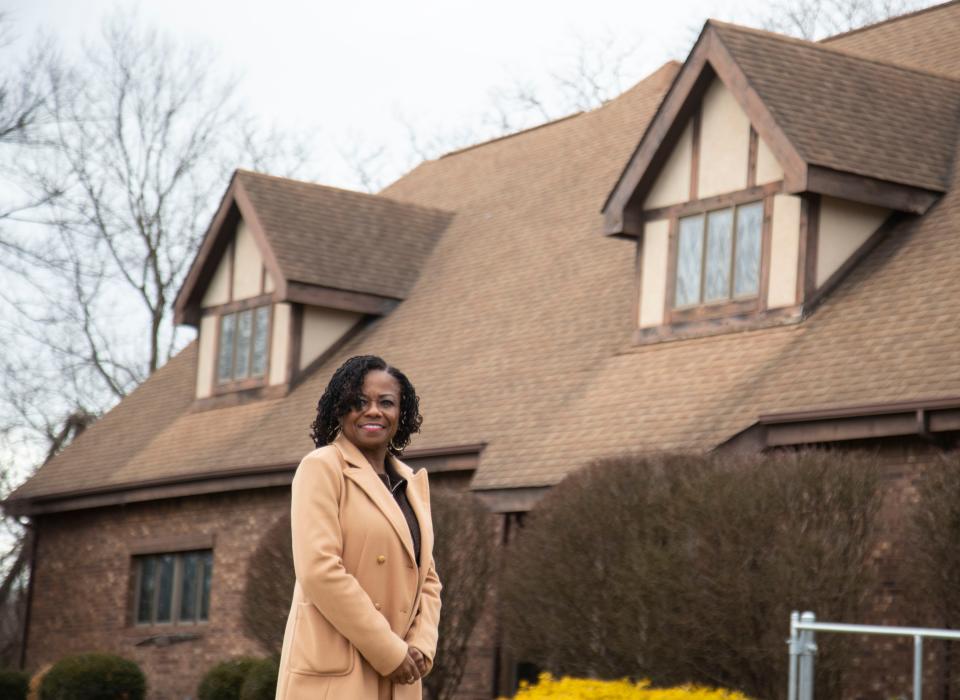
[411,668]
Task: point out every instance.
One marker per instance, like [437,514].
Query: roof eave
[924,418]
[870,190]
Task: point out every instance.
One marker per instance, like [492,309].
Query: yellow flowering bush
[550,688]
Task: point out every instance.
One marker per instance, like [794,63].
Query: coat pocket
[317,647]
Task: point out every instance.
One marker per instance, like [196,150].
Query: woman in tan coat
[366,603]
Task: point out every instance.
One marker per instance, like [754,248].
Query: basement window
[172,588]
[718,256]
[242,350]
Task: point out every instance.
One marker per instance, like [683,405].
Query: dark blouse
[397,485]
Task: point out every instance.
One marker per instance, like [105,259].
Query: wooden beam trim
[663,130]
[211,242]
[766,250]
[239,305]
[720,201]
[752,158]
[701,328]
[809,271]
[339,299]
[295,347]
[869,190]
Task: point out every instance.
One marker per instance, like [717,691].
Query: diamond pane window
[719,247]
[225,360]
[689,260]
[244,345]
[718,256]
[261,323]
[747,263]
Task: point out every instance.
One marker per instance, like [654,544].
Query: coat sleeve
[317,561]
[424,631]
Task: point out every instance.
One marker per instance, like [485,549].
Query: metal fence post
[808,648]
[793,644]
[917,667]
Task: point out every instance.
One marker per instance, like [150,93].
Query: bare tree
[815,19]
[112,169]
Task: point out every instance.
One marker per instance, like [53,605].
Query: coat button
[381,559]
[377,606]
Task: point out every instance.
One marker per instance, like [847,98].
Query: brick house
[756,247]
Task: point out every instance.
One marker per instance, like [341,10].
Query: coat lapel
[361,473]
[419,498]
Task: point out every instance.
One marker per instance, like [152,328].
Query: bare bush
[464,551]
[686,568]
[933,558]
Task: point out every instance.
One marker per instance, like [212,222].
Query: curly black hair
[343,395]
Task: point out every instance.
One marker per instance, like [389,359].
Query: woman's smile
[372,422]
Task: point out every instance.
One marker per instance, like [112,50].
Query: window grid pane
[689,261]
[241,368]
[188,587]
[261,325]
[747,264]
[145,594]
[719,254]
[165,588]
[205,591]
[225,361]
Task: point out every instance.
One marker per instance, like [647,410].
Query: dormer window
[718,256]
[243,346]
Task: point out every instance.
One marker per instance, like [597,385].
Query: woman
[366,604]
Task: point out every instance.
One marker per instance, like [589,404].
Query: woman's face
[372,425]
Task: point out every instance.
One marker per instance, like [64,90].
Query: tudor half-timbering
[779,269]
[270,300]
[750,197]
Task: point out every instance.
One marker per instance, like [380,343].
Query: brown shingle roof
[517,333]
[850,113]
[928,39]
[337,238]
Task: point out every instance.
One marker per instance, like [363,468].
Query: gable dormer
[769,169]
[287,272]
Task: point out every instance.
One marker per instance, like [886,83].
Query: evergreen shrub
[261,680]
[94,677]
[14,684]
[225,680]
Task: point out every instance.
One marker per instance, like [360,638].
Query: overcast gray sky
[351,73]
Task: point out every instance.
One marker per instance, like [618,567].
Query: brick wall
[83,588]
[83,584]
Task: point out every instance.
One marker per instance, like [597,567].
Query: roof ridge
[504,137]
[334,188]
[551,122]
[834,50]
[889,20]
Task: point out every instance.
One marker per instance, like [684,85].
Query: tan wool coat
[359,597]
